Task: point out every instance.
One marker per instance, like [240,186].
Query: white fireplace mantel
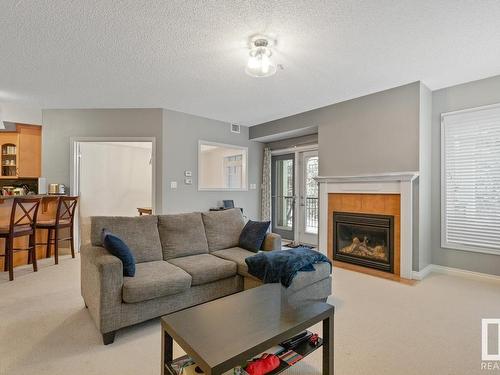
[381,177]
[384,183]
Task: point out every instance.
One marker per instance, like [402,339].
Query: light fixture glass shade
[260,63]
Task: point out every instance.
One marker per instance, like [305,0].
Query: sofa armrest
[101,286]
[271,242]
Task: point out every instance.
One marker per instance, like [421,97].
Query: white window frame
[245,173]
[444,243]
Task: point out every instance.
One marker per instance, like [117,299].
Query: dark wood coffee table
[225,333]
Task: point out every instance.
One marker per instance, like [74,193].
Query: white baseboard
[423,273]
[420,275]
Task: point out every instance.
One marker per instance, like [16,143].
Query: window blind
[470,188]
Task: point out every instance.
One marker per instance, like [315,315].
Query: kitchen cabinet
[30,151]
[9,142]
[21,152]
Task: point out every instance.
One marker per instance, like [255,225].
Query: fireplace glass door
[364,239]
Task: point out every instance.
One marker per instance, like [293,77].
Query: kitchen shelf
[9,155]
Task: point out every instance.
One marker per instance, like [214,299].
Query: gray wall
[371,134]
[287,127]
[293,142]
[10,112]
[181,133]
[376,133]
[59,125]
[177,136]
[469,95]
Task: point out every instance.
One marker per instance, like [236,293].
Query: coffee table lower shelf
[304,349]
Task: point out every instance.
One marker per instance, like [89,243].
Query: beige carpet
[381,327]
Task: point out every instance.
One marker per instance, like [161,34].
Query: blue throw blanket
[283,265]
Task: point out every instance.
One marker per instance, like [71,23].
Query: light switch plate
[188,181]
[173,184]
[253,186]
[188,173]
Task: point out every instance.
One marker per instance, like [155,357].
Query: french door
[295,196]
[283,195]
[308,209]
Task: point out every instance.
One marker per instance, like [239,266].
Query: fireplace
[388,194]
[364,239]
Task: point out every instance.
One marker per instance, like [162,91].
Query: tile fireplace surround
[387,183]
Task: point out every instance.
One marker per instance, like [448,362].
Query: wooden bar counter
[46,211]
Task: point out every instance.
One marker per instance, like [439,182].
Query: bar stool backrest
[24,212]
[66,209]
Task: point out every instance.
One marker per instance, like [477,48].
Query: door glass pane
[311,196]
[284,189]
[233,167]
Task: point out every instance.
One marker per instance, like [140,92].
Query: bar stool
[64,218]
[22,223]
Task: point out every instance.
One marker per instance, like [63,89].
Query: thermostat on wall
[235,128]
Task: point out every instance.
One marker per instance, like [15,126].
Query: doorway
[112,178]
[294,191]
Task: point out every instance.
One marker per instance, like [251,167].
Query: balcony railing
[312,212]
[286,209]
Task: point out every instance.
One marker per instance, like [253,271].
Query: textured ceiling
[190,55]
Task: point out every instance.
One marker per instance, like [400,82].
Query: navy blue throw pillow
[253,234]
[119,249]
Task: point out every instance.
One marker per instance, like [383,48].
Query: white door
[113,178]
[308,198]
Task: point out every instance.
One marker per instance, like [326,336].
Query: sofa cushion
[223,228]
[238,256]
[182,235]
[140,233]
[153,280]
[205,268]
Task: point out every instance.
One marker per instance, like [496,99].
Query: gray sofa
[182,260]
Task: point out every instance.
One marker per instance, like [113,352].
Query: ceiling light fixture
[259,62]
